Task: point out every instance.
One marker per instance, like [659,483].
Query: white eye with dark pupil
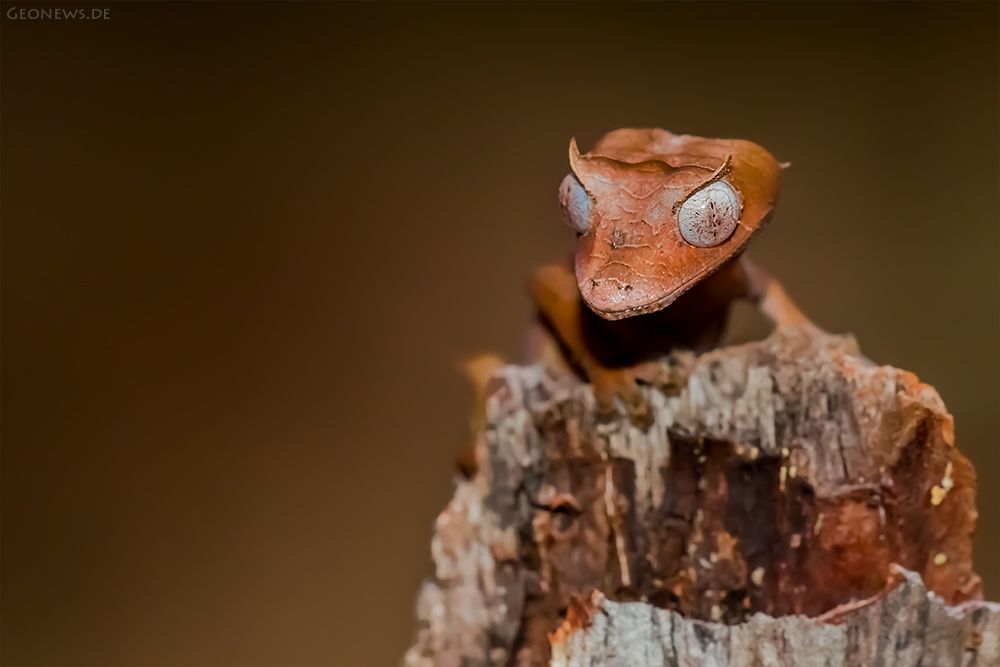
[575,204]
[709,216]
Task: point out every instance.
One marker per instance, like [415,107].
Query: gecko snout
[614,291]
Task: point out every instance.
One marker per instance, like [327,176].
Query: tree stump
[788,506]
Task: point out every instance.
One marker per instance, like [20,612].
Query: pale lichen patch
[940,491]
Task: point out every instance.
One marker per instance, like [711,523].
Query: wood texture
[905,627]
[784,477]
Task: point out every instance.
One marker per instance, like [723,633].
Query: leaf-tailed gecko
[661,222]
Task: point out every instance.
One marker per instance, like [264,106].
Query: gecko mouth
[632,311]
[619,295]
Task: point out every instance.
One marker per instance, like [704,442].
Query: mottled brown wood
[781,477]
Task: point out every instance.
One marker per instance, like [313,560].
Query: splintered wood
[785,477]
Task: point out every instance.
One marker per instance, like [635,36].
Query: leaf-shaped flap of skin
[633,259]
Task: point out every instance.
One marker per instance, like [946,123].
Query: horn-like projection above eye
[709,216]
[575,204]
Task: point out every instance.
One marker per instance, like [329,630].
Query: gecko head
[656,212]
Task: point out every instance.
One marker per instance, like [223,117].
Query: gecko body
[662,221]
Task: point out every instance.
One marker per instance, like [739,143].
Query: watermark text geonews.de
[56,13]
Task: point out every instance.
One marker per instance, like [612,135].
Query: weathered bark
[781,477]
[905,627]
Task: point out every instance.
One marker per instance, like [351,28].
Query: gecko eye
[575,204]
[709,216]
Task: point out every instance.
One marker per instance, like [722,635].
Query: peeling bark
[904,627]
[784,477]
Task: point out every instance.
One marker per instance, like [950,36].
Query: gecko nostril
[626,288]
[593,283]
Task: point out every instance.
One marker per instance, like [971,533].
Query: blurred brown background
[245,244]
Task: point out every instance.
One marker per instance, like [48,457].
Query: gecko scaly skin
[661,222]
